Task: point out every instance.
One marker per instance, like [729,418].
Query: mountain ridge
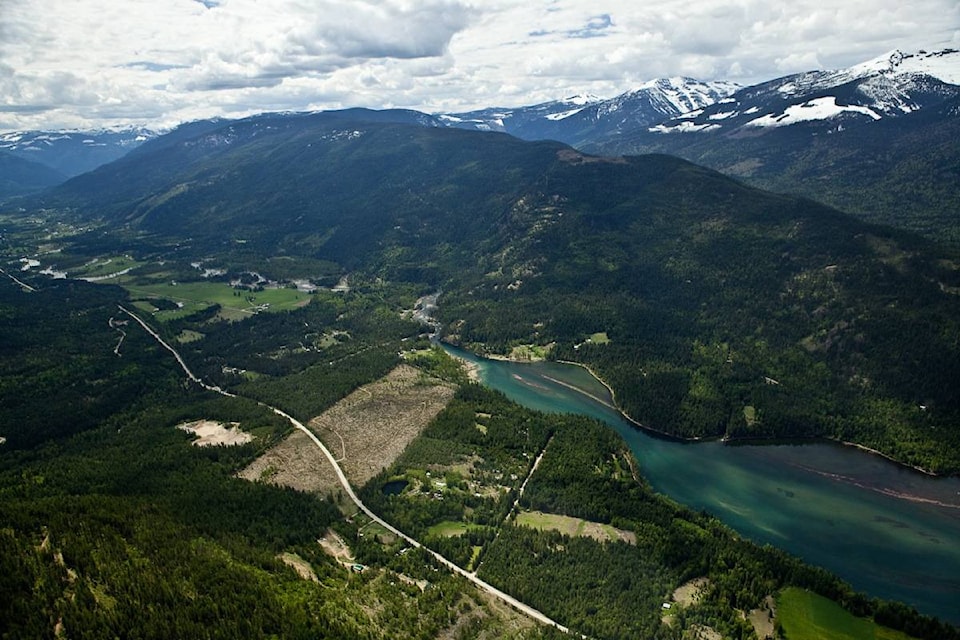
[535,242]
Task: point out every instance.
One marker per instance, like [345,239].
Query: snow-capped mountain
[877,139]
[582,118]
[520,120]
[943,65]
[663,98]
[891,85]
[73,152]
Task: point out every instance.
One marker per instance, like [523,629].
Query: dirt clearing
[370,428]
[210,433]
[295,462]
[689,593]
[364,431]
[763,619]
[301,566]
[333,545]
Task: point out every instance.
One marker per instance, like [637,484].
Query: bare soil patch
[333,545]
[763,619]
[301,566]
[210,433]
[689,593]
[295,462]
[370,428]
[365,431]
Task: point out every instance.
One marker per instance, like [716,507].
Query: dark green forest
[726,312]
[721,301]
[112,525]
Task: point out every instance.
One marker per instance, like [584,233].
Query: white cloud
[69,63]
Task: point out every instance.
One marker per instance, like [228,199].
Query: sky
[83,64]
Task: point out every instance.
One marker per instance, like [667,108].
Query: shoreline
[626,416]
[473,373]
[747,441]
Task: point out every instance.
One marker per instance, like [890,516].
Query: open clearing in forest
[574,527]
[210,433]
[301,566]
[294,462]
[369,429]
[689,593]
[196,296]
[808,616]
[763,618]
[366,431]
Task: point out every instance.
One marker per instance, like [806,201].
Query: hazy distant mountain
[19,176]
[583,118]
[73,152]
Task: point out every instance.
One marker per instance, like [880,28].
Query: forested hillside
[899,171]
[113,525]
[728,311]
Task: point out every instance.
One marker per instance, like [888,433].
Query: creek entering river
[889,531]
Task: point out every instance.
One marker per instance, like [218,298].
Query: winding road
[510,600]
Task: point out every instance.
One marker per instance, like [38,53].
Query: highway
[507,598]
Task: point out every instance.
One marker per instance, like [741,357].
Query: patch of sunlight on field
[448,529]
[807,616]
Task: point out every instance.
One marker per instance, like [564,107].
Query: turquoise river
[889,531]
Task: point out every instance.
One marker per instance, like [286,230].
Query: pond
[394,487]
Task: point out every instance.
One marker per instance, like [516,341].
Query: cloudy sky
[91,63]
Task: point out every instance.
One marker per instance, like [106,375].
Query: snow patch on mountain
[683,127]
[680,95]
[72,152]
[943,65]
[817,109]
[723,115]
[562,114]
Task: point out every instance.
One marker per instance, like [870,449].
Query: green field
[196,296]
[543,521]
[530,352]
[105,267]
[449,529]
[599,338]
[807,616]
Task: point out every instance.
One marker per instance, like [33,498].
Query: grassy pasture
[102,267]
[196,296]
[807,616]
[450,529]
[573,527]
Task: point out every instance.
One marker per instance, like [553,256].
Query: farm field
[573,527]
[191,297]
[807,616]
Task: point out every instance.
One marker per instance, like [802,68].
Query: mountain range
[537,243]
[711,308]
[875,139]
[31,161]
[581,119]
